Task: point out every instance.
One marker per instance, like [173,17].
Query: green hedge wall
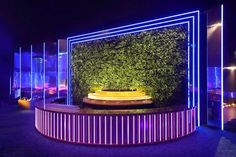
[153,61]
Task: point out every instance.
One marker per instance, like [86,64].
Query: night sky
[35,21]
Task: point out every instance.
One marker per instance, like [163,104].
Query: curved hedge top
[153,61]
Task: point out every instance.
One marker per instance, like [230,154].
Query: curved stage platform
[114,127]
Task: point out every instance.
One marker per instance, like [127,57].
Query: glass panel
[214,66]
[62,69]
[16,77]
[50,71]
[25,73]
[230,68]
[37,71]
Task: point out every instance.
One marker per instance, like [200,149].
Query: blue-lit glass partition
[191,19]
[37,72]
[50,84]
[62,69]
[26,72]
[215,67]
[229,111]
[16,75]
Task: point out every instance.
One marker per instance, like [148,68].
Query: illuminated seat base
[117,98]
[116,102]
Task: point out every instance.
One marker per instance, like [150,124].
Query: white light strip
[58,70]
[61,126]
[47,121]
[222,66]
[149,127]
[88,128]
[187,122]
[94,130]
[83,129]
[122,130]
[189,65]
[100,132]
[193,61]
[155,128]
[171,126]
[139,128]
[127,129]
[177,124]
[10,86]
[166,126]
[79,128]
[182,113]
[105,130]
[64,116]
[57,118]
[160,127]
[134,129]
[68,73]
[198,56]
[74,128]
[44,73]
[144,128]
[110,129]
[51,125]
[31,72]
[69,128]
[116,129]
[191,119]
[20,70]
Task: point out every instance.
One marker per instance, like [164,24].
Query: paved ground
[19,138]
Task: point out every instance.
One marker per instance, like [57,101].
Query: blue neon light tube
[222,67]
[136,24]
[190,18]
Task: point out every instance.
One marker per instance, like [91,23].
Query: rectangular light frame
[191,18]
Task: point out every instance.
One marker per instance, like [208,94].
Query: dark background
[25,22]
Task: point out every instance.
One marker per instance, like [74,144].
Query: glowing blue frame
[189,18]
[58,76]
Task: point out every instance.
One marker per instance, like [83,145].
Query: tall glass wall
[62,69]
[16,75]
[50,71]
[37,72]
[230,67]
[26,73]
[214,79]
